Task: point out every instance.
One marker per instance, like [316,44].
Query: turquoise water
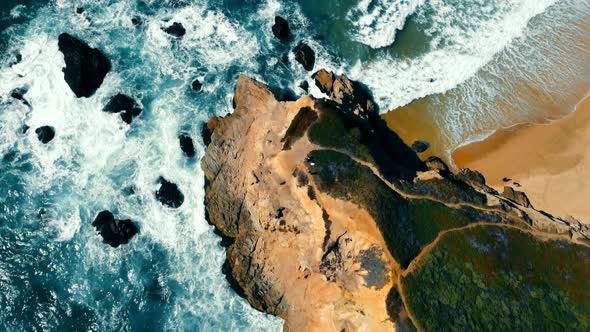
[55,274]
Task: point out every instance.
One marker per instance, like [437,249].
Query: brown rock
[435,163]
[516,196]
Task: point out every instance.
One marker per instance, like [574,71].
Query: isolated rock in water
[435,163]
[25,128]
[85,68]
[114,231]
[197,85]
[304,86]
[125,105]
[516,196]
[350,94]
[19,94]
[281,28]
[186,145]
[80,10]
[176,30]
[420,146]
[45,134]
[136,20]
[169,194]
[304,55]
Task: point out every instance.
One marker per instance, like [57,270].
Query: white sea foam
[376,22]
[464,37]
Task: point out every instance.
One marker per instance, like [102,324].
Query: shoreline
[549,161]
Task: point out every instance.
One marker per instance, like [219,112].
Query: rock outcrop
[45,134]
[516,196]
[304,55]
[420,146]
[322,221]
[168,194]
[349,94]
[176,30]
[85,68]
[281,29]
[114,232]
[186,145]
[126,106]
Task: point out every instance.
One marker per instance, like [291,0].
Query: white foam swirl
[376,22]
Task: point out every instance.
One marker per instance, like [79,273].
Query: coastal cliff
[334,224]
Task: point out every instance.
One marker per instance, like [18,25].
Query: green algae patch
[407,225]
[502,279]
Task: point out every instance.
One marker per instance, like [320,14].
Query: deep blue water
[55,274]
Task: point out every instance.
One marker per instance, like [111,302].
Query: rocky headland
[334,224]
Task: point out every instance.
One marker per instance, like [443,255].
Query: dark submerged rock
[80,10]
[281,29]
[25,128]
[169,194]
[136,20]
[197,85]
[186,145]
[85,68]
[304,55]
[114,231]
[45,134]
[420,146]
[176,30]
[125,105]
[506,179]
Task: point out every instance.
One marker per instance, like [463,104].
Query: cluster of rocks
[303,53]
[85,70]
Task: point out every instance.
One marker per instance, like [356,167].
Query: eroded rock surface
[323,212]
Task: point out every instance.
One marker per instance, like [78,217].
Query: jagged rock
[208,128]
[125,105]
[25,128]
[80,10]
[420,146]
[168,194]
[304,55]
[435,163]
[281,28]
[85,68]
[186,145]
[176,30]
[350,94]
[45,134]
[114,231]
[516,196]
[197,85]
[304,86]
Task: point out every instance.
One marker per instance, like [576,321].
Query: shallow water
[54,271]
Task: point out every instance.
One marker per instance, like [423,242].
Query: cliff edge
[334,224]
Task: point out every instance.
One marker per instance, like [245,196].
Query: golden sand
[551,162]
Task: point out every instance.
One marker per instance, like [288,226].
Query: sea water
[55,272]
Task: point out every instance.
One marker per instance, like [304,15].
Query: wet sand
[551,162]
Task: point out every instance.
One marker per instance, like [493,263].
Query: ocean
[455,60]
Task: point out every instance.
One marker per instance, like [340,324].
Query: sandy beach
[550,161]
